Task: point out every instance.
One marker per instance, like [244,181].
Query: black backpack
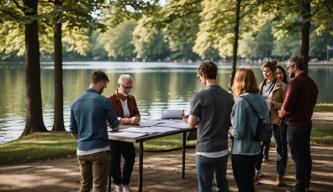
[263,132]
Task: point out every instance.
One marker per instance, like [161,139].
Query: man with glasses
[128,113]
[301,96]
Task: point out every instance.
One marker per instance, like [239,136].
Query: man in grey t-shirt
[210,110]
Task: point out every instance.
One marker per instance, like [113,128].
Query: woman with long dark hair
[273,90]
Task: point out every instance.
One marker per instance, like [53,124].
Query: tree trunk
[58,124]
[235,43]
[306,24]
[34,119]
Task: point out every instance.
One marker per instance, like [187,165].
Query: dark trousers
[127,150]
[243,169]
[299,141]
[264,150]
[280,137]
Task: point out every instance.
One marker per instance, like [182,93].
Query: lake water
[157,86]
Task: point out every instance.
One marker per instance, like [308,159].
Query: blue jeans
[207,168]
[280,137]
[299,141]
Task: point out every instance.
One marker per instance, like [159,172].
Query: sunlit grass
[38,146]
[322,133]
[166,143]
[50,145]
[324,107]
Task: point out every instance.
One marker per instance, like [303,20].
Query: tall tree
[34,119]
[24,15]
[222,27]
[306,24]
[58,124]
[235,43]
[71,13]
[292,16]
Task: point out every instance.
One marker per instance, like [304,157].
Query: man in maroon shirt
[301,96]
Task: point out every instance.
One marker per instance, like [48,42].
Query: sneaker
[257,176]
[118,188]
[126,188]
[279,181]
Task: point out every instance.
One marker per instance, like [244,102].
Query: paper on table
[158,129]
[126,134]
[148,130]
[137,130]
[177,125]
[148,123]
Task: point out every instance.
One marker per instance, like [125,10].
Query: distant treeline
[121,44]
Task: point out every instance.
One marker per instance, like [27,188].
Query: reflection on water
[157,86]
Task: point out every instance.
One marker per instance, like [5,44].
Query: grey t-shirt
[213,106]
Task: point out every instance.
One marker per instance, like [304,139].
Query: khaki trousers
[94,170]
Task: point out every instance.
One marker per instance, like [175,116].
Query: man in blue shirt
[90,115]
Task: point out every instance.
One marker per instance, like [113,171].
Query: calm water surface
[157,86]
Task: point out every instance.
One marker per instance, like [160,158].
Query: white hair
[124,77]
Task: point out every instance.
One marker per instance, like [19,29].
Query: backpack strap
[252,106]
[259,119]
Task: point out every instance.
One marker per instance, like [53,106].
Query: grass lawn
[50,145]
[38,146]
[324,107]
[322,133]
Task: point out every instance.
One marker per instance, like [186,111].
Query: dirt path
[162,172]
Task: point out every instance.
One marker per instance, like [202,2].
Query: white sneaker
[126,188]
[118,188]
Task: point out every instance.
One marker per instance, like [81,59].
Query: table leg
[110,173]
[140,166]
[183,155]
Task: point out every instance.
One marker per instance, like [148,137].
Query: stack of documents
[150,127]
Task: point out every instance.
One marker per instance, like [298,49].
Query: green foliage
[11,37]
[120,11]
[264,42]
[259,45]
[216,28]
[149,43]
[155,49]
[176,29]
[318,44]
[78,17]
[118,42]
[178,22]
[287,46]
